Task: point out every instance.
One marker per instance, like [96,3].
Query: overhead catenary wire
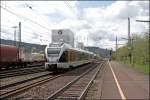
[12,32]
[26,37]
[68,5]
[6,8]
[27,4]
[79,18]
[73,12]
[19,16]
[24,18]
[25,31]
[37,11]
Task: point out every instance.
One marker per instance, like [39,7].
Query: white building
[63,35]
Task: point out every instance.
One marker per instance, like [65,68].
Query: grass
[140,67]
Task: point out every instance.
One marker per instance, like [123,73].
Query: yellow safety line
[118,85]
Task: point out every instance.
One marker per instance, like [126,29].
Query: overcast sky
[96,23]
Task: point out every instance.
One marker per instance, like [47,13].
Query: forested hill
[28,47]
[104,53]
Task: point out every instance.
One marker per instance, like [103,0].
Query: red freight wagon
[8,55]
[10,58]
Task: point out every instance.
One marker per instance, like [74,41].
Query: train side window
[73,56]
[79,56]
[76,55]
[63,58]
[83,56]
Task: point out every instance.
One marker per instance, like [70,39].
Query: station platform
[123,82]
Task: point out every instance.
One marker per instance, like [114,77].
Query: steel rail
[22,89]
[21,72]
[89,84]
[22,81]
[19,69]
[61,90]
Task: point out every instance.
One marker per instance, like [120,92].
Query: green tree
[140,52]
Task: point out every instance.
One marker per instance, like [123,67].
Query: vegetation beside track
[140,53]
[140,67]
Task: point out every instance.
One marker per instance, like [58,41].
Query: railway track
[21,80]
[3,69]
[4,95]
[77,88]
[11,92]
[17,69]
[21,72]
[71,77]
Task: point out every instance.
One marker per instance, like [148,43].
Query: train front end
[52,57]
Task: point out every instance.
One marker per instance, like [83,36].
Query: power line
[19,16]
[78,17]
[29,36]
[72,10]
[24,18]
[27,4]
[24,31]
[35,11]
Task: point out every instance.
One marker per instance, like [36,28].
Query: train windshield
[53,51]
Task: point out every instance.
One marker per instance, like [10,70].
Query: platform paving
[131,83]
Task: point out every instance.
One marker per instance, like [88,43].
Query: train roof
[58,44]
[81,50]
[77,49]
[67,46]
[9,46]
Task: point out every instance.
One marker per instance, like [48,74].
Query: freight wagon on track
[12,57]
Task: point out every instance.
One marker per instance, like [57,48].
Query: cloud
[94,25]
[111,21]
[35,20]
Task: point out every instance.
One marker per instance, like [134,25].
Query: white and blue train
[63,56]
